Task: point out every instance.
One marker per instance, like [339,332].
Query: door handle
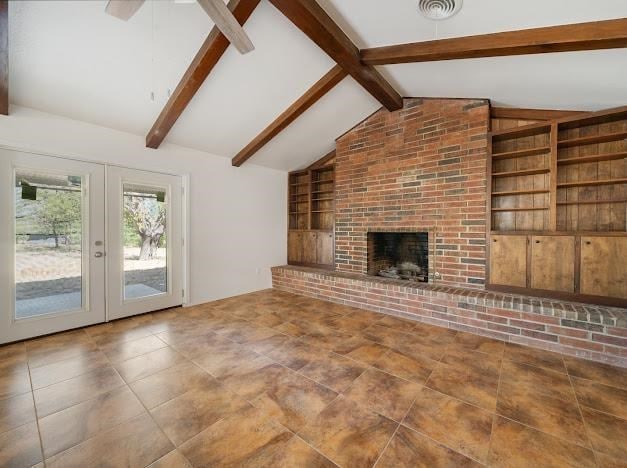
[99,254]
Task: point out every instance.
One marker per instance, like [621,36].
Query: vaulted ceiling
[69,58]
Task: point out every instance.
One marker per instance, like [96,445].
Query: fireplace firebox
[399,255]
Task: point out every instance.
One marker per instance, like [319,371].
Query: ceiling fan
[216,9]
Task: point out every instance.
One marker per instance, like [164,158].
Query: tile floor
[273,379]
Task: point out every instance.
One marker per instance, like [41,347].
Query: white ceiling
[70,59]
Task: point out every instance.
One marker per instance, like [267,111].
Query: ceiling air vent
[439,9]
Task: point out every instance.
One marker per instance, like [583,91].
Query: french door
[145,246]
[82,243]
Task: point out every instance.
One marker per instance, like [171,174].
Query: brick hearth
[591,332]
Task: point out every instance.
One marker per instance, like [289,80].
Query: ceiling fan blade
[227,24]
[123,9]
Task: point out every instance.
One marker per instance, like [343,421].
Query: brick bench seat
[583,330]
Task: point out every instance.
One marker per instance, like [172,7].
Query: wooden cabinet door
[553,263]
[310,241]
[294,247]
[325,248]
[508,260]
[603,270]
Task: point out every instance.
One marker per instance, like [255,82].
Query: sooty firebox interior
[399,255]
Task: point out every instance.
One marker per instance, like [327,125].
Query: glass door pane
[145,241]
[49,263]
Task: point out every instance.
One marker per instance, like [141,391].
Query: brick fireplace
[422,168]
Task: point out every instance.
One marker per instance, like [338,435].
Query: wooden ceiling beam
[207,57]
[311,19]
[608,34]
[531,114]
[4,57]
[311,96]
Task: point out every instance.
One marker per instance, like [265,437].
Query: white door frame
[185,213]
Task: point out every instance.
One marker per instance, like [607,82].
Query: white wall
[238,221]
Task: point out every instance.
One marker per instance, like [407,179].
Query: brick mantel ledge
[587,331]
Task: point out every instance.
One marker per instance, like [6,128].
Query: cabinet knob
[588,242]
[537,242]
[493,240]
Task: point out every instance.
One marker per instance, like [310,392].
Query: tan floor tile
[174,459]
[542,411]
[541,380]
[333,371]
[269,344]
[469,384]
[479,343]
[250,332]
[293,400]
[363,350]
[13,358]
[410,367]
[60,352]
[235,440]
[134,443]
[365,315]
[295,354]
[129,349]
[194,411]
[386,336]
[226,360]
[397,323]
[408,449]
[596,371]
[117,331]
[70,392]
[73,367]
[20,447]
[13,383]
[73,425]
[255,377]
[192,347]
[270,319]
[515,445]
[330,340]
[458,425]
[169,383]
[147,364]
[288,454]
[348,434]
[605,461]
[608,433]
[383,393]
[16,411]
[534,357]
[349,324]
[291,329]
[601,397]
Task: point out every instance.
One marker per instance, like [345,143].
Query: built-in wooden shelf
[592,158]
[588,183]
[519,132]
[321,199]
[528,208]
[525,172]
[519,192]
[322,211]
[521,153]
[590,140]
[590,202]
[322,191]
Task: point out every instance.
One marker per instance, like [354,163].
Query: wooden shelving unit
[557,204]
[311,215]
